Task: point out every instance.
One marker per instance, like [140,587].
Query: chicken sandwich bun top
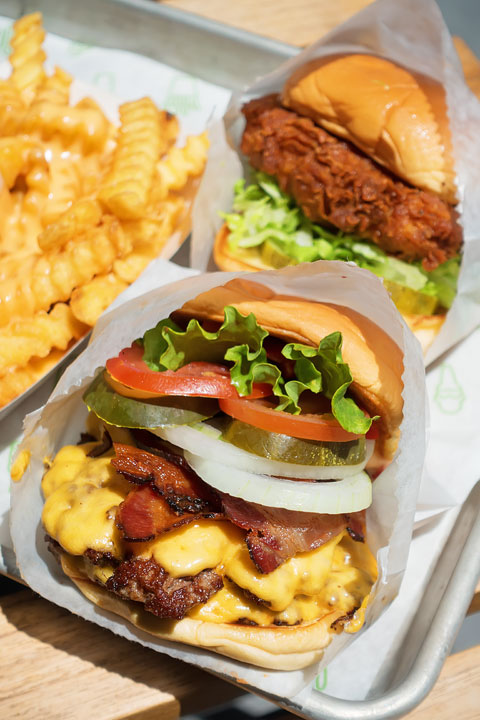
[352,161]
[218,496]
[385,111]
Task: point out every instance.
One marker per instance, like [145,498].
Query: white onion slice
[339,496]
[207,444]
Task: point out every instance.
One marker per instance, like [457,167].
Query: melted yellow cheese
[194,547]
[305,573]
[82,495]
[19,465]
[341,590]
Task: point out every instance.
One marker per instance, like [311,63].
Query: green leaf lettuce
[239,341]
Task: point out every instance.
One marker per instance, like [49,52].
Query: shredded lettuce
[239,341]
[266,219]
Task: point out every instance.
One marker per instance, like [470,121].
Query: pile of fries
[85,206]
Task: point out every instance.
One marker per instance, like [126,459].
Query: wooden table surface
[55,666]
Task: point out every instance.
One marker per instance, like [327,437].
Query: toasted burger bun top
[382,109]
[375,360]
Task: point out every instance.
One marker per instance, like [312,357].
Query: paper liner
[61,420]
[414,35]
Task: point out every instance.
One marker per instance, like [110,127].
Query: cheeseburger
[352,161]
[218,495]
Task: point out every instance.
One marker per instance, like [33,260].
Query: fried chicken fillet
[333,182]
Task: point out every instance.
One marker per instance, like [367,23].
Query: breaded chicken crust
[333,182]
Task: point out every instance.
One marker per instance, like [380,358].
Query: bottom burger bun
[274,648]
[241,259]
[424,327]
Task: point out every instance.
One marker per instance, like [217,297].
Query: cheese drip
[82,497]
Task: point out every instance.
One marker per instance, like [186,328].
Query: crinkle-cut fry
[36,336]
[85,122]
[126,188]
[14,264]
[158,224]
[12,108]
[131,266]
[27,56]
[91,300]
[16,236]
[83,215]
[17,380]
[55,274]
[65,188]
[171,128]
[148,236]
[37,179]
[55,89]
[174,170]
[14,155]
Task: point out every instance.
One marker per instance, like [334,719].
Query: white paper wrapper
[60,421]
[411,34]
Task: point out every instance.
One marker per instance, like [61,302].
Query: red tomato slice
[306,426]
[196,379]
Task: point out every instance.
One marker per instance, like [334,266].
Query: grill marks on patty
[147,582]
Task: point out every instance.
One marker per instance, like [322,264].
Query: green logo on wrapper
[321,681]
[5,37]
[449,394]
[182,96]
[79,48]
[105,80]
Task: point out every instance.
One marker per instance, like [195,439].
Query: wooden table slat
[89,672]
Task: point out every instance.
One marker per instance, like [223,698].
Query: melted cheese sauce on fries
[84,206]
[82,495]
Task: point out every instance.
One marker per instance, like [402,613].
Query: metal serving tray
[209,50]
[232,58]
[429,638]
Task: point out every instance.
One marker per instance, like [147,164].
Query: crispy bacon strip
[144,514]
[356,525]
[177,483]
[275,535]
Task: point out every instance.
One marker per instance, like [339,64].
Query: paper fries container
[60,421]
[414,36]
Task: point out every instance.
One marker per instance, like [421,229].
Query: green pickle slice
[273,256]
[411,301]
[128,412]
[275,446]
